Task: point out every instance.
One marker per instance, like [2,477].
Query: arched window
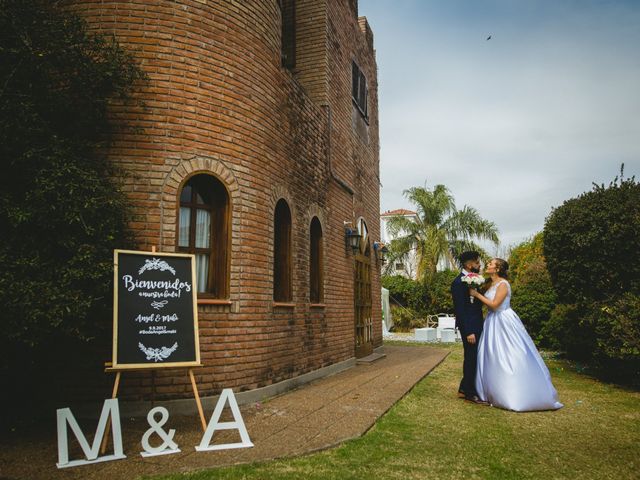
[204,230]
[365,244]
[282,253]
[315,262]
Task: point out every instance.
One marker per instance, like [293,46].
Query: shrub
[604,334]
[405,319]
[524,254]
[617,327]
[423,299]
[408,293]
[533,294]
[439,291]
[569,329]
[61,215]
[590,243]
[534,297]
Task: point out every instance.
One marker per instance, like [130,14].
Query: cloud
[515,125]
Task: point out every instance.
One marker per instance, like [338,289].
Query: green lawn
[431,434]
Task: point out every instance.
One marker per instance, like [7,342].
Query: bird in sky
[489,37]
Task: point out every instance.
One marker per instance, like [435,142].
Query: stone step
[370,358]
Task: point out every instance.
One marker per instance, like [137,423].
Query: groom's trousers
[469,366]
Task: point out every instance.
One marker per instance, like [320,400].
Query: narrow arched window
[204,230]
[315,262]
[365,243]
[282,253]
[288,45]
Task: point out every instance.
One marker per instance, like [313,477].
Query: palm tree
[440,233]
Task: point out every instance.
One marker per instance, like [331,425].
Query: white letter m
[91,453]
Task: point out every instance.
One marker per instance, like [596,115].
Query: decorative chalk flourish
[158,354]
[159,305]
[156,264]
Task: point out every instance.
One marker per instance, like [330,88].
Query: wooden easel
[116,386]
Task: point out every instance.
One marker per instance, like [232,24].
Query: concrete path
[316,416]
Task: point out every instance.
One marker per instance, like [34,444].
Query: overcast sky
[514,125]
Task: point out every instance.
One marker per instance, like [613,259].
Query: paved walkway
[316,416]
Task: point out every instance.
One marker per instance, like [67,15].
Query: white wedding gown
[511,374]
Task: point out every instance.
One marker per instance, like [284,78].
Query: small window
[288,38]
[282,253]
[359,89]
[315,262]
[203,229]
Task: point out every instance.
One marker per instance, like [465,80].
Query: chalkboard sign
[155,318]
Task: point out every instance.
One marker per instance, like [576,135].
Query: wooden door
[362,297]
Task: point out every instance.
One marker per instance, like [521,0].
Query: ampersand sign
[168,445]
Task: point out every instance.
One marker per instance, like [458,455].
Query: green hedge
[524,254]
[405,320]
[534,297]
[409,293]
[617,327]
[604,334]
[592,243]
[419,300]
[439,291]
[570,330]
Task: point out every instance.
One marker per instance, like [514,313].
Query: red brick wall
[218,100]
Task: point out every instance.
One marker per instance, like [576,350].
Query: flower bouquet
[473,280]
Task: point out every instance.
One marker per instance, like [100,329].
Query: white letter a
[215,424]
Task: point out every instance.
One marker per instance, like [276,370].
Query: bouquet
[474,280]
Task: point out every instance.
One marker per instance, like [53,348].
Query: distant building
[408,266]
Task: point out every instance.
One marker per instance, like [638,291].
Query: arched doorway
[362,294]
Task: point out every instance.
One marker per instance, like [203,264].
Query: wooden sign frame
[194,292]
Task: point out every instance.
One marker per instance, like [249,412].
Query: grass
[431,434]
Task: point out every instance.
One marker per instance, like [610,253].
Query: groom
[469,320]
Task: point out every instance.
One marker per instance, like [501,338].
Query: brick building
[257,141]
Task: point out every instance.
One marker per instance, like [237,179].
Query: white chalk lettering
[130,284]
[159,330]
[165,294]
[156,317]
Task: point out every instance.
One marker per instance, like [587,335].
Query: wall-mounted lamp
[381,251]
[352,237]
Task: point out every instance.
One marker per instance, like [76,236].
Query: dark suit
[469,320]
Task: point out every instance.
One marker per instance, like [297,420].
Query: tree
[523,255]
[61,214]
[591,243]
[441,232]
[534,297]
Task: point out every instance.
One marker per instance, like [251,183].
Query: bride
[511,374]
